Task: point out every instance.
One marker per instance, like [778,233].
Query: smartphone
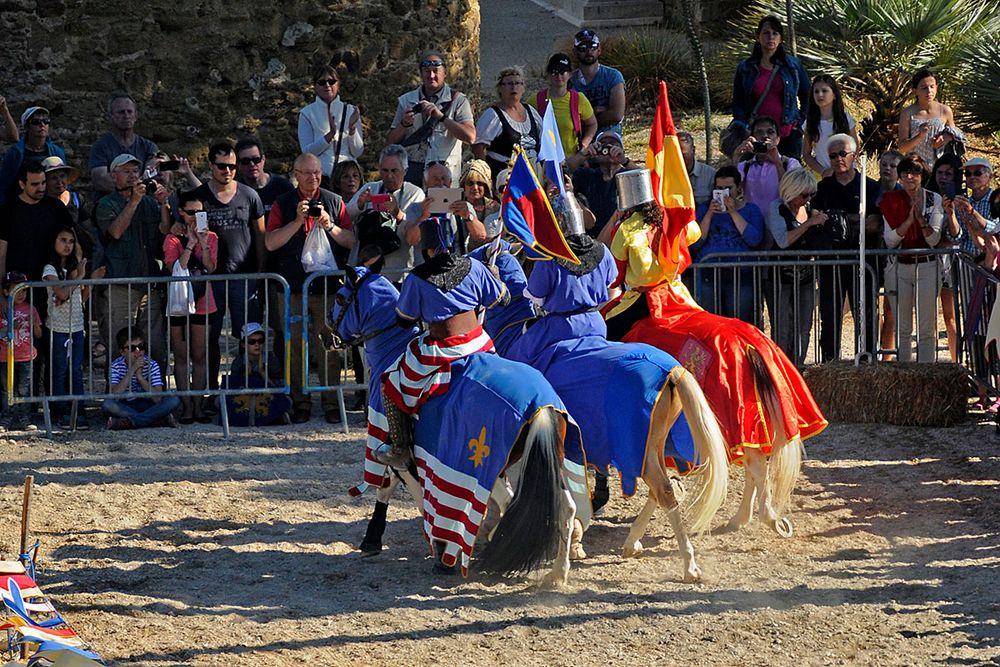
[170,165]
[949,190]
[380,202]
[443,198]
[720,196]
[201,221]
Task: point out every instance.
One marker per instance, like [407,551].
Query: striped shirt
[151,371]
[982,207]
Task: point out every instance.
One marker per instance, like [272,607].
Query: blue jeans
[141,412]
[241,298]
[727,292]
[67,373]
[22,388]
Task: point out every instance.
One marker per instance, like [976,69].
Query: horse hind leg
[745,511]
[559,574]
[784,468]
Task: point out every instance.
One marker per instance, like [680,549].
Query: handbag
[180,295]
[317,255]
[737,131]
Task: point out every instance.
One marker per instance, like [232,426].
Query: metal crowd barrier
[976,297]
[322,300]
[794,292]
[140,306]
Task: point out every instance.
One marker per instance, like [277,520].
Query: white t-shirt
[820,151]
[66,317]
[489,128]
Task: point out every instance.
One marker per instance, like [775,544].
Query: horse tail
[528,533]
[786,455]
[710,450]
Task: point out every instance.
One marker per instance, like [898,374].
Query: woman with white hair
[794,227]
[507,123]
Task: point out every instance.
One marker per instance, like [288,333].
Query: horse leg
[500,498]
[784,468]
[742,516]
[372,543]
[559,573]
[632,546]
[576,551]
[691,570]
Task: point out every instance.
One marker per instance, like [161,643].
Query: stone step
[606,13]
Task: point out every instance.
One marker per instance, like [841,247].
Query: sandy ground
[175,547]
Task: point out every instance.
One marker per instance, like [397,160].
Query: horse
[627,398]
[764,408]
[532,493]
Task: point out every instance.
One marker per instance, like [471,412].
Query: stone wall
[202,70]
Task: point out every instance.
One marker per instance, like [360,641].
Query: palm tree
[980,92]
[872,47]
[691,24]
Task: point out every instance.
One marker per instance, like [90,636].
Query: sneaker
[300,416]
[82,424]
[65,423]
[119,424]
[170,421]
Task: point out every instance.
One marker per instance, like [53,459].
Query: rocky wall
[202,70]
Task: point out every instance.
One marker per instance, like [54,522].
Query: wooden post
[26,512]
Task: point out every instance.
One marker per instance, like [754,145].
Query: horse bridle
[347,302]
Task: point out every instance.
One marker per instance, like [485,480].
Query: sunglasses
[140,347]
[192,211]
[512,84]
[247,161]
[841,153]
[915,173]
[255,341]
[558,72]
[975,173]
[481,184]
[40,121]
[431,64]
[225,166]
[327,82]
[586,47]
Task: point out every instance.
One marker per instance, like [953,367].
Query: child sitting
[131,372]
[27,326]
[253,368]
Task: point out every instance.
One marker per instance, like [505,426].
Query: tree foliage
[873,47]
[980,91]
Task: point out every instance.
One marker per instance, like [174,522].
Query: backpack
[574,110]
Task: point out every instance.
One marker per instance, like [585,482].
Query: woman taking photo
[795,227]
[914,217]
[772,83]
[506,124]
[329,128]
[197,251]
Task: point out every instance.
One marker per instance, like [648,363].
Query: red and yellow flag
[671,187]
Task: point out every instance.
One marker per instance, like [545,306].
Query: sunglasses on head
[975,173]
[431,64]
[225,166]
[247,161]
[327,82]
[841,153]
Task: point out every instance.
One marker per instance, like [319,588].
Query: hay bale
[907,394]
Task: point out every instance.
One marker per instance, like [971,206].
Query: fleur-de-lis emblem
[480,450]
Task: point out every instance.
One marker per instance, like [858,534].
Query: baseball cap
[29,112]
[249,329]
[12,278]
[123,160]
[979,162]
[610,134]
[55,163]
[559,62]
[586,38]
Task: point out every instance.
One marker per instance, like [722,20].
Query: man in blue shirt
[604,86]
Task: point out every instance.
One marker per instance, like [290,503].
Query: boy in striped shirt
[134,372]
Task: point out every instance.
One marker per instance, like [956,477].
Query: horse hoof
[370,548]
[735,524]
[692,575]
[553,581]
[783,527]
[442,569]
[633,550]
[576,552]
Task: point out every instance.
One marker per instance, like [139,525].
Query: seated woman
[254,369]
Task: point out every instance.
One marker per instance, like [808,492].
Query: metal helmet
[634,188]
[569,214]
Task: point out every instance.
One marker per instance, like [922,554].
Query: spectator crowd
[791,182]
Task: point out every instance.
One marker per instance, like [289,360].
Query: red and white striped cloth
[454,505]
[424,370]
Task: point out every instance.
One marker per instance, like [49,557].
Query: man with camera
[762,166]
[593,171]
[839,196]
[133,224]
[293,216]
[433,121]
[122,139]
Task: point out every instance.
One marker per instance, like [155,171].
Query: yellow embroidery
[256,402]
[480,450]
